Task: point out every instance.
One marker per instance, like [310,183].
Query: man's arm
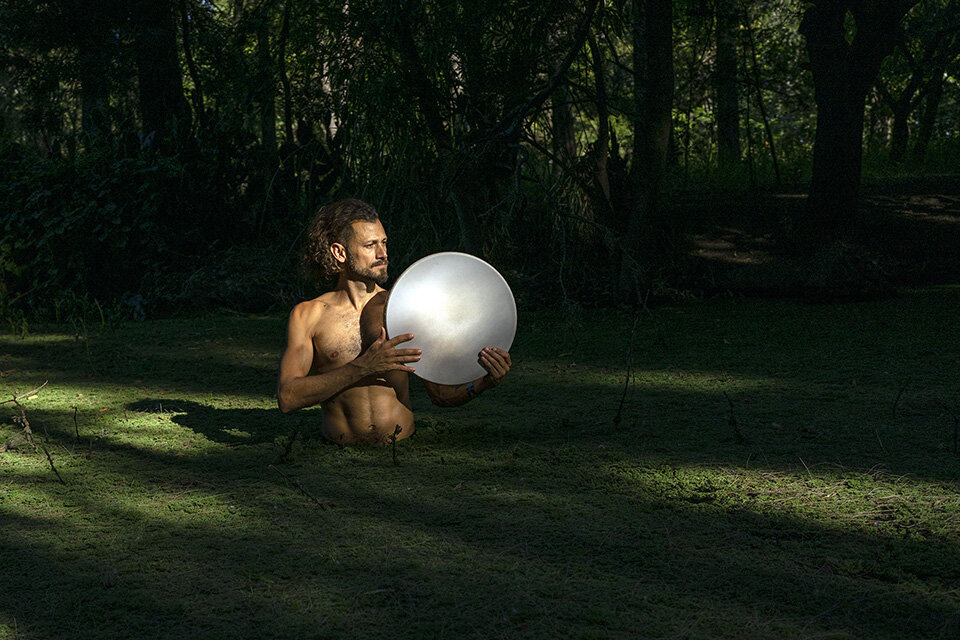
[497,363]
[297,390]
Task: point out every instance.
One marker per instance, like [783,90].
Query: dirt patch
[908,234]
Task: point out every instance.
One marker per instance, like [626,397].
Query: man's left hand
[497,363]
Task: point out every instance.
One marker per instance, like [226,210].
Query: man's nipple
[334,355]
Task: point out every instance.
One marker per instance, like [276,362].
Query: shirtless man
[337,351]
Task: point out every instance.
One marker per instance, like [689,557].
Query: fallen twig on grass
[393,443]
[284,457]
[956,423]
[732,421]
[22,420]
[626,382]
[897,400]
[15,399]
[299,487]
[76,426]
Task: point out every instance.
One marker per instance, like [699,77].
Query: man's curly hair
[332,224]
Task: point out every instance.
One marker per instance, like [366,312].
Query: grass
[526,514]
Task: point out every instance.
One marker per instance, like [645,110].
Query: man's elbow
[285,403]
[441,400]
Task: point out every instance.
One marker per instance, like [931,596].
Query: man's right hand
[383,355]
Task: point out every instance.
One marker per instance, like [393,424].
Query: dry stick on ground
[16,397]
[26,429]
[732,421]
[76,427]
[876,431]
[956,423]
[897,400]
[626,383]
[284,457]
[393,443]
[295,483]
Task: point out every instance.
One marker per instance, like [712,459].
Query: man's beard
[368,273]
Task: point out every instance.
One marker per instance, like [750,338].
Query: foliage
[502,128]
[95,226]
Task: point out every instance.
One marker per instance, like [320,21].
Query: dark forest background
[158,155]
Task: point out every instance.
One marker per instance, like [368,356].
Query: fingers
[504,355]
[494,363]
[403,337]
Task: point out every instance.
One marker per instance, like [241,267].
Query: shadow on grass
[504,518]
[227,426]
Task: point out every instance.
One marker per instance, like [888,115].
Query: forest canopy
[159,153]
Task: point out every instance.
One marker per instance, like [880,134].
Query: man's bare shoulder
[310,312]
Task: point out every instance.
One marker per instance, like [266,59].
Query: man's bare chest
[336,341]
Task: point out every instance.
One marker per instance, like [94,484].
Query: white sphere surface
[454,304]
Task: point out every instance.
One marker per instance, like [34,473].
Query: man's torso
[371,409]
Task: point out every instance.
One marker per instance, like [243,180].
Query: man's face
[367,251]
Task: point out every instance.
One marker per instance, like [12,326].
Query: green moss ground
[526,514]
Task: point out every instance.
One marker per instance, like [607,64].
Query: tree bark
[843,72]
[602,147]
[726,88]
[94,93]
[163,107]
[928,118]
[197,93]
[266,93]
[899,132]
[285,76]
[647,233]
[758,91]
[564,135]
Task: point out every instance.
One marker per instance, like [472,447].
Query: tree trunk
[899,133]
[285,77]
[928,118]
[267,94]
[163,108]
[725,85]
[564,135]
[647,235]
[197,93]
[843,71]
[94,93]
[602,147]
[758,91]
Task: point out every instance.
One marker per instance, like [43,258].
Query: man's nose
[381,251]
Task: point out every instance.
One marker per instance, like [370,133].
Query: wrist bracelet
[471,391]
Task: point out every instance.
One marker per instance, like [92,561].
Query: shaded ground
[909,229]
[830,510]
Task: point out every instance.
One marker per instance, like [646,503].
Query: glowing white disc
[454,304]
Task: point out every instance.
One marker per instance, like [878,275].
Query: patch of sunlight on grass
[672,378]
[697,381]
[843,500]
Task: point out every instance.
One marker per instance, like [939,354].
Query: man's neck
[357,292]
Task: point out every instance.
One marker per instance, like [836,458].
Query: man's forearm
[454,396]
[307,391]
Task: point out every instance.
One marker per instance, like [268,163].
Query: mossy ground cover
[831,509]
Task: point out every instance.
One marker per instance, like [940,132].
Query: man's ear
[339,252]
